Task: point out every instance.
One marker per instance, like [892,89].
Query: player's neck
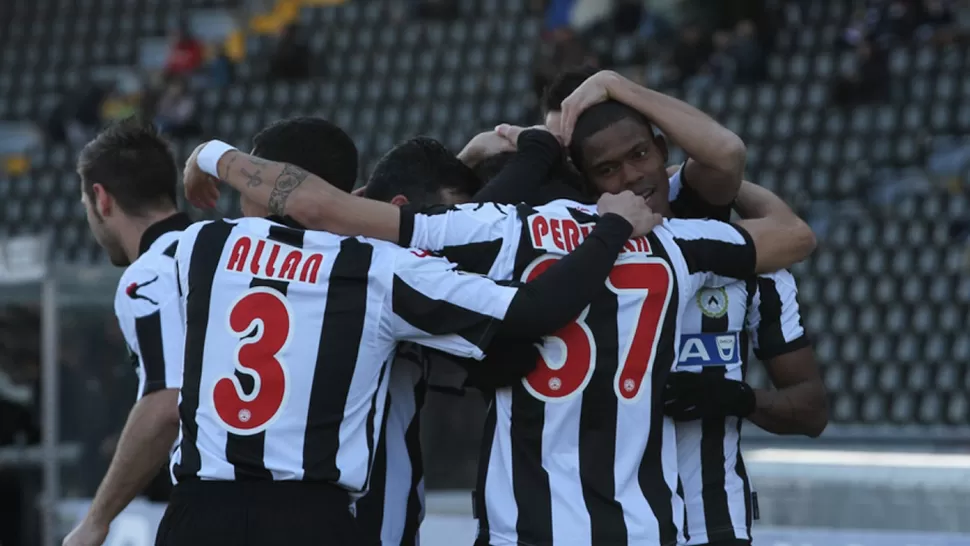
[132,233]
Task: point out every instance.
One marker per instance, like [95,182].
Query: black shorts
[216,513]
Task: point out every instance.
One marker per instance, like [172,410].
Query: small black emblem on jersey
[134,287]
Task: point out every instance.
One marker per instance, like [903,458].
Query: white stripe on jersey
[147,307]
[715,486]
[309,319]
[597,482]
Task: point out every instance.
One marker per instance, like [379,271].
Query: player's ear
[661,143]
[399,200]
[103,202]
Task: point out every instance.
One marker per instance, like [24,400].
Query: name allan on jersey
[563,235]
[244,258]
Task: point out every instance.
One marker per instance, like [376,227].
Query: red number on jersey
[256,355]
[567,358]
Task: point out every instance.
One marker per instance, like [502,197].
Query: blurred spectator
[722,65]
[868,81]
[557,14]
[627,16]
[691,53]
[78,118]
[562,51]
[175,115]
[186,54]
[122,102]
[291,60]
[221,69]
[749,57]
[895,21]
[938,22]
[437,9]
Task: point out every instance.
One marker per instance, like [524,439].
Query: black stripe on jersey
[245,453]
[370,509]
[206,254]
[286,235]
[680,493]
[412,442]
[717,514]
[474,257]
[439,317]
[172,248]
[530,481]
[343,328]
[369,426]
[743,474]
[719,257]
[479,507]
[651,472]
[148,330]
[597,427]
[771,335]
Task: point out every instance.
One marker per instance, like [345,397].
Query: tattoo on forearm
[286,182]
[254,178]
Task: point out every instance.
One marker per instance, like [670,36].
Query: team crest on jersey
[713,302]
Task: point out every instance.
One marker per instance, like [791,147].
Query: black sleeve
[559,295]
[690,204]
[506,362]
[520,180]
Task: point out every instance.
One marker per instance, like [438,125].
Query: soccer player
[613,491]
[761,311]
[128,178]
[287,336]
[709,399]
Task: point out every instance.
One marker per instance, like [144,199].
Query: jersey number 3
[257,356]
[567,358]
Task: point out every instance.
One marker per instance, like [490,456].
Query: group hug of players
[599,299]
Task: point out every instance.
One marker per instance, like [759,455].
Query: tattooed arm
[288,190]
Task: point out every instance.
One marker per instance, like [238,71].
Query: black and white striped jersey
[392,510]
[579,452]
[147,307]
[288,336]
[719,327]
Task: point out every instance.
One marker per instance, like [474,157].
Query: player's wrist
[210,154]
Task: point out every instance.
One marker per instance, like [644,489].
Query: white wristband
[210,155]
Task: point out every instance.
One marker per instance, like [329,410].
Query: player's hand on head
[87,533]
[201,190]
[632,208]
[483,146]
[594,90]
[511,133]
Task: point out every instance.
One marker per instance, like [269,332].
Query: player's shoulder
[781,280]
[146,284]
[567,207]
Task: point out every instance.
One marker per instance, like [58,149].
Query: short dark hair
[418,169]
[313,144]
[134,165]
[489,167]
[598,117]
[562,86]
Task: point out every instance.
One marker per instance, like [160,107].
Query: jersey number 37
[257,356]
[567,359]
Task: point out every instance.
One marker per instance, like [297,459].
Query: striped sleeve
[774,320]
[435,305]
[717,253]
[472,235]
[147,307]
